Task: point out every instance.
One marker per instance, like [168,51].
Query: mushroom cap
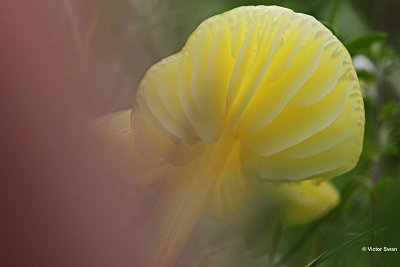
[276,82]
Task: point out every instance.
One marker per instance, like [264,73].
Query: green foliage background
[369,213]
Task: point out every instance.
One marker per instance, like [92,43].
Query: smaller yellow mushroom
[290,203]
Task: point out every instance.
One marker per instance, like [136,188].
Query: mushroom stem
[180,205]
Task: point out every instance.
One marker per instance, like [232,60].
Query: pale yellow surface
[278,82]
[301,202]
[232,194]
[256,95]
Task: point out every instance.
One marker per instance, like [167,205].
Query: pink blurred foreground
[58,205]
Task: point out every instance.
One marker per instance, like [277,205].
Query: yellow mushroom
[256,94]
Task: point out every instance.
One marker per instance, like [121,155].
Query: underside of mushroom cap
[233,198]
[277,82]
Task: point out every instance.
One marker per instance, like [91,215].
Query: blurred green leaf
[382,186]
[389,109]
[329,26]
[360,43]
[315,261]
[366,75]
[327,254]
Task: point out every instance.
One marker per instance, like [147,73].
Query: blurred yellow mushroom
[297,201]
[258,97]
